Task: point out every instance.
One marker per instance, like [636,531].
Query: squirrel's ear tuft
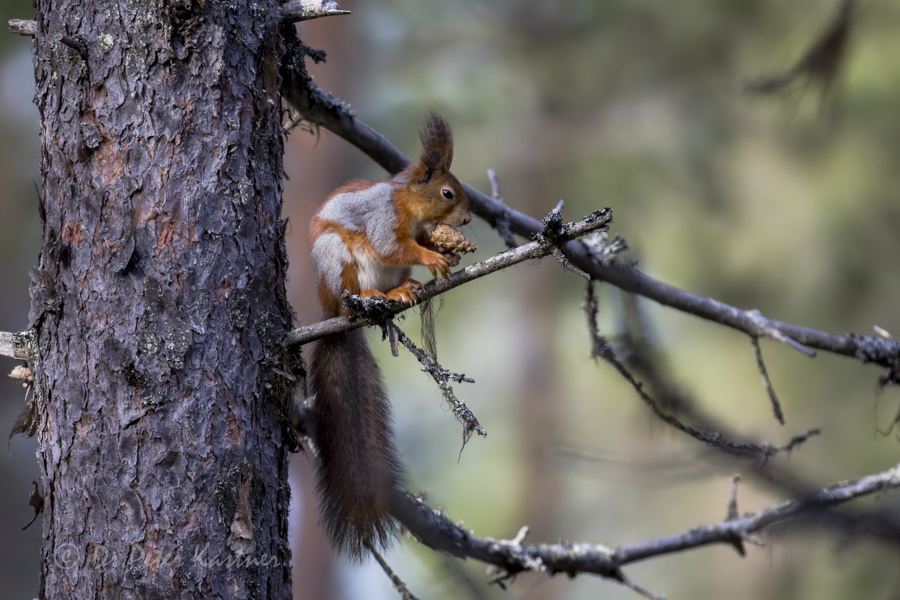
[437,143]
[432,161]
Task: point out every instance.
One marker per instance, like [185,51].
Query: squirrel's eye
[448,194]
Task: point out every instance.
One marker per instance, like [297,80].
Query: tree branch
[23,27]
[291,12]
[635,335]
[398,583]
[304,10]
[602,348]
[767,381]
[442,377]
[15,345]
[321,109]
[435,530]
[537,249]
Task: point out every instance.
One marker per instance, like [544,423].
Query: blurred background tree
[789,204]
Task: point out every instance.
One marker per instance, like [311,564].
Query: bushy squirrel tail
[358,470]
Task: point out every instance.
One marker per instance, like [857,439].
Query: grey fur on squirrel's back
[358,470]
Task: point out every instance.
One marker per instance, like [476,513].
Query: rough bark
[158,301]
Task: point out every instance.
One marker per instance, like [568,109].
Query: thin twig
[764,373]
[469,586]
[732,513]
[602,348]
[636,587]
[502,223]
[398,584]
[442,377]
[716,439]
[636,338]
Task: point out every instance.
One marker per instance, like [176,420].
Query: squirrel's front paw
[373,294]
[407,293]
[437,263]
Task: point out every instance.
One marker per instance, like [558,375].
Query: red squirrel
[366,238]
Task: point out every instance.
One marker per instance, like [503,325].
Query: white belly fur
[375,275]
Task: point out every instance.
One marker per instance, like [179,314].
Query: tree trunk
[158,303]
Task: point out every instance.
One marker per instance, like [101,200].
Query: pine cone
[451,239]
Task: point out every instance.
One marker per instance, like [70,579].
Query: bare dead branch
[551,234]
[15,345]
[8,344]
[767,382]
[435,530]
[304,10]
[291,12]
[502,225]
[398,584]
[537,249]
[23,27]
[636,338]
[322,109]
[602,348]
[642,358]
[732,513]
[442,377]
[878,523]
[636,587]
